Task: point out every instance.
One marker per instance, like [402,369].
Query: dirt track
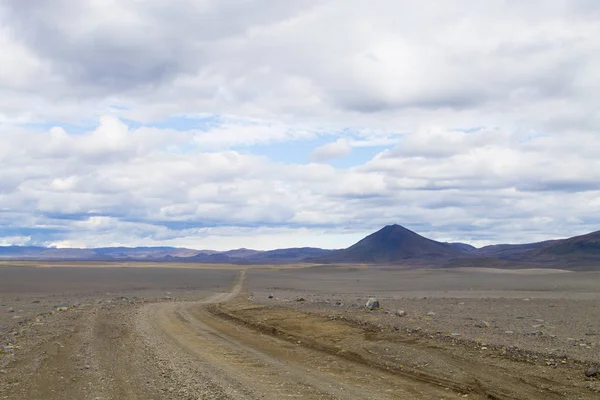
[198,350]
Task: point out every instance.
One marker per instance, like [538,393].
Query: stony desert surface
[155,332]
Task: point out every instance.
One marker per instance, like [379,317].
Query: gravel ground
[119,333]
[552,313]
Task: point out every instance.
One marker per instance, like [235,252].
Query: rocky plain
[332,331]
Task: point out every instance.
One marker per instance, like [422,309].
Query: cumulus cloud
[329,151]
[158,186]
[487,114]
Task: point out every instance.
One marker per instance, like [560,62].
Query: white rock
[372,304]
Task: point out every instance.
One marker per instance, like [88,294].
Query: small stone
[10,310]
[535,333]
[270,296]
[526,299]
[482,324]
[372,304]
[400,313]
[431,314]
[62,306]
[455,334]
[592,371]
[509,332]
[300,299]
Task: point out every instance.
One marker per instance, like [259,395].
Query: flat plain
[159,331]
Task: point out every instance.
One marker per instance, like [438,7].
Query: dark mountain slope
[579,247]
[463,246]
[511,250]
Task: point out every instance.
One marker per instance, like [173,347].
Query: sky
[220,124]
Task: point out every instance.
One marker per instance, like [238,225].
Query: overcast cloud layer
[226,124]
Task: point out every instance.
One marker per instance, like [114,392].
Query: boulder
[372,304]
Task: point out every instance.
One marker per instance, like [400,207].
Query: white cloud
[14,240]
[330,151]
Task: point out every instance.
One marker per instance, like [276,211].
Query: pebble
[372,304]
[400,313]
[431,314]
[592,371]
[9,349]
[482,324]
[10,310]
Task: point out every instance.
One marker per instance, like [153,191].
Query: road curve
[214,358]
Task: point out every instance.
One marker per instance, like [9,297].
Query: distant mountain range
[390,245]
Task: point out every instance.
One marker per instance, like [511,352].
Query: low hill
[96,254]
[511,250]
[584,247]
